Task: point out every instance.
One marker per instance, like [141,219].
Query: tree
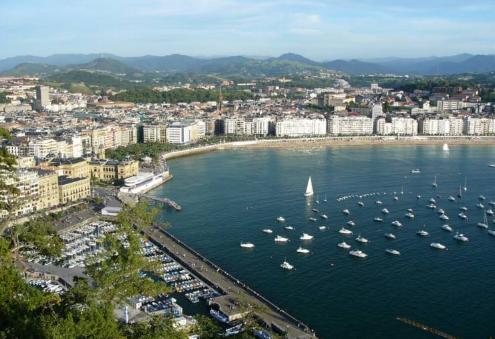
[206,328]
[41,234]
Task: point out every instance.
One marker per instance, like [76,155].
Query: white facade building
[301,127]
[179,133]
[350,125]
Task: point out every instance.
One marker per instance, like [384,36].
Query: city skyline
[321,30]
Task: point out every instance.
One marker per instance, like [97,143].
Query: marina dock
[238,298]
[164,201]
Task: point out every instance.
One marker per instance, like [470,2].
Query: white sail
[445,147]
[309,189]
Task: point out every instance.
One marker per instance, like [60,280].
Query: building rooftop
[64,180]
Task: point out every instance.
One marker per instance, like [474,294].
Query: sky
[318,29]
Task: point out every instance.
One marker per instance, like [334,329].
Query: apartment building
[301,127]
[350,125]
[110,170]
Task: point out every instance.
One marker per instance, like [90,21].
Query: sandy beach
[337,142]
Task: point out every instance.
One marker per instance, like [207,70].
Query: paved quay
[237,295]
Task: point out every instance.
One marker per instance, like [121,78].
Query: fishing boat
[309,189]
[345,231]
[434,183]
[422,233]
[306,236]
[247,245]
[438,246]
[324,216]
[361,239]
[351,223]
[279,238]
[302,250]
[286,266]
[460,237]
[483,224]
[390,236]
[445,147]
[343,244]
[396,223]
[358,254]
[267,231]
[446,228]
[392,251]
[346,211]
[377,219]
[281,219]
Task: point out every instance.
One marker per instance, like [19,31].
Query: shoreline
[364,141]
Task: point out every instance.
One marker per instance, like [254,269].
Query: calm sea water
[230,196]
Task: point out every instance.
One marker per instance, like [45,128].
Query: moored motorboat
[396,223]
[392,251]
[280,219]
[361,239]
[360,203]
[358,254]
[289,228]
[390,236]
[409,215]
[279,238]
[431,206]
[489,212]
[415,171]
[247,245]
[312,219]
[302,250]
[379,202]
[480,205]
[422,233]
[462,216]
[377,219]
[306,236]
[444,217]
[343,244]
[286,266]
[438,246]
[460,237]
[491,232]
[322,228]
[346,211]
[351,223]
[315,210]
[451,198]
[324,216]
[446,228]
[463,208]
[345,231]
[385,211]
[267,230]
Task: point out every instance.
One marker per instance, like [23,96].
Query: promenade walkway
[237,295]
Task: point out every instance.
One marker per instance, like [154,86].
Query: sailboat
[434,184]
[325,200]
[465,184]
[460,192]
[445,147]
[309,189]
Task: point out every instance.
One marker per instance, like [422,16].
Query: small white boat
[306,236]
[281,219]
[409,215]
[463,208]
[418,196]
[322,228]
[482,197]
[462,216]
[286,266]
[312,219]
[446,228]
[434,183]
[302,250]
[358,254]
[491,165]
[377,219]
[351,223]
[346,211]
[279,238]
[460,237]
[444,217]
[390,236]
[379,202]
[440,211]
[343,244]
[360,203]
[396,223]
[325,200]
[491,232]
[431,206]
[396,198]
[432,200]
[267,231]
[345,231]
[492,203]
[361,239]
[392,251]
[247,245]
[289,228]
[315,210]
[489,212]
[415,171]
[422,233]
[438,246]
[445,147]
[451,198]
[324,216]
[410,210]
[309,189]
[385,211]
[482,225]
[480,205]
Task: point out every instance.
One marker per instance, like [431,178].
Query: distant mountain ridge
[285,64]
